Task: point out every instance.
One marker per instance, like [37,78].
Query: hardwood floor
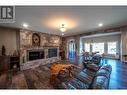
[118,79]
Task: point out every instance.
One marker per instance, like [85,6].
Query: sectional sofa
[92,77]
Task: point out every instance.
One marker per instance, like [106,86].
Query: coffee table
[55,69]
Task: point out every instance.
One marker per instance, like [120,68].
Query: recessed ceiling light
[25,25]
[100,24]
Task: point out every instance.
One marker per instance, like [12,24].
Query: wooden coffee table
[55,69]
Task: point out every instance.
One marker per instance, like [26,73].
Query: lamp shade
[62,28]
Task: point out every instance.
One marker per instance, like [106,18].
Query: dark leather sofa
[86,79]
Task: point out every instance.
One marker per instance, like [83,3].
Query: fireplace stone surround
[46,42]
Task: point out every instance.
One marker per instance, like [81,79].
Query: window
[87,47]
[111,47]
[98,47]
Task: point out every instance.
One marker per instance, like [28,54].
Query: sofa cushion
[84,78]
[93,67]
[103,72]
[89,72]
[65,85]
[76,83]
[107,67]
[100,82]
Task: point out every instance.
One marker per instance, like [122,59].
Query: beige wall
[8,38]
[124,43]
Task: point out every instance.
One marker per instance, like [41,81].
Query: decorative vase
[3,50]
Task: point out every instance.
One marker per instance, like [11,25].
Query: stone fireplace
[46,52]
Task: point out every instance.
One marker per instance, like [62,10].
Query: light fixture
[62,34]
[25,25]
[100,24]
[63,28]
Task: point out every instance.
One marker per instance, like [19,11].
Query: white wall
[8,38]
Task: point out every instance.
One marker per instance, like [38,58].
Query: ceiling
[77,19]
[100,35]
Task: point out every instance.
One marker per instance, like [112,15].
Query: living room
[64,48]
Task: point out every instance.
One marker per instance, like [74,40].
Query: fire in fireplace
[35,54]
